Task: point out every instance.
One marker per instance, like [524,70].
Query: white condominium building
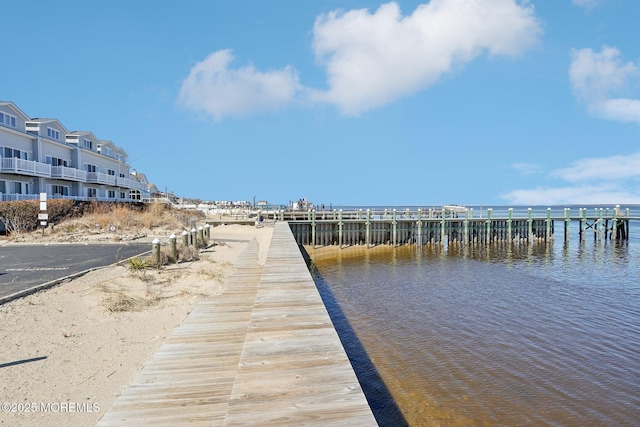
[41,156]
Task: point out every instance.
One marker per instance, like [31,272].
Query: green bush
[137,264]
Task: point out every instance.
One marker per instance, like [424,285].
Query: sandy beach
[68,352]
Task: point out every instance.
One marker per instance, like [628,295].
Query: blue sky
[360,102]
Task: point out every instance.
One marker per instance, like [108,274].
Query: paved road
[23,267]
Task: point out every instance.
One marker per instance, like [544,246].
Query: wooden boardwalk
[264,352]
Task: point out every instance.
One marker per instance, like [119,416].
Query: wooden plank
[264,352]
[190,378]
[293,369]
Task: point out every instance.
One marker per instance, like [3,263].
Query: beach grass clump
[120,301]
[137,217]
[137,264]
[188,254]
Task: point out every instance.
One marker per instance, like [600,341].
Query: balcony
[25,167]
[64,172]
[101,178]
[127,183]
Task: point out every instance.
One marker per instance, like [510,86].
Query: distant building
[39,155]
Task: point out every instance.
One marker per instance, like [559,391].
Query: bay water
[511,334]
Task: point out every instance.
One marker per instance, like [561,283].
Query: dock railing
[438,226]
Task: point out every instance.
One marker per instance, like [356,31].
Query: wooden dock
[264,352]
[433,227]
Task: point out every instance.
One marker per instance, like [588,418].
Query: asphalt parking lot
[24,267]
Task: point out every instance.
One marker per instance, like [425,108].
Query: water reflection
[507,334]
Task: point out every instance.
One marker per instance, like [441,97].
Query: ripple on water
[539,336]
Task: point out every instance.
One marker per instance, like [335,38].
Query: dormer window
[7,119]
[108,151]
[53,134]
[88,144]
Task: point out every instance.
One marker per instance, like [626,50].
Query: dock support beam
[489,217]
[419,239]
[368,230]
[394,225]
[443,228]
[547,235]
[340,232]
[313,228]
[465,238]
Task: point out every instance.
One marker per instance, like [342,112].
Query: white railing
[130,183]
[68,173]
[25,167]
[101,178]
[125,182]
[16,197]
[33,168]
[19,166]
[139,186]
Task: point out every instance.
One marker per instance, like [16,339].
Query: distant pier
[442,227]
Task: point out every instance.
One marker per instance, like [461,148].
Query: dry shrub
[98,208]
[95,217]
[120,301]
[59,209]
[129,216]
[216,275]
[19,216]
[188,253]
[192,292]
[156,215]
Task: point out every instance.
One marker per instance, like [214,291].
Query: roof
[65,131]
[15,109]
[79,133]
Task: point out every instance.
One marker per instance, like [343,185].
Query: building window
[111,172]
[91,192]
[3,187]
[111,194]
[54,161]
[53,134]
[91,168]
[88,144]
[108,151]
[20,187]
[60,190]
[12,152]
[123,195]
[7,119]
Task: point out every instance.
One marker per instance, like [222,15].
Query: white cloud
[371,58]
[587,4]
[606,180]
[375,58]
[220,91]
[620,109]
[602,169]
[527,168]
[583,194]
[601,80]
